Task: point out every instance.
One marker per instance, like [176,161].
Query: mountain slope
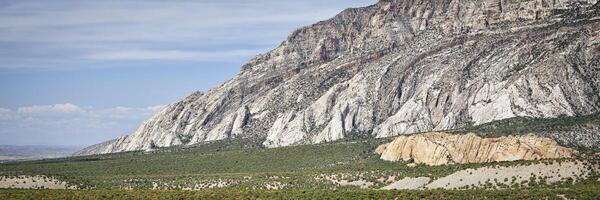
[398,67]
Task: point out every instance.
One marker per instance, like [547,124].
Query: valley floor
[578,191]
[236,169]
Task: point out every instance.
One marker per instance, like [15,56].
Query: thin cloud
[121,112]
[182,14]
[5,114]
[56,108]
[172,55]
[5,110]
[156,108]
[68,33]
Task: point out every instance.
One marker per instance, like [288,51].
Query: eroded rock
[437,148]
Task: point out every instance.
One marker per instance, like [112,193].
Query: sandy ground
[32,182]
[340,179]
[408,183]
[359,183]
[552,173]
[205,185]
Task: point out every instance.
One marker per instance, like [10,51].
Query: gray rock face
[398,67]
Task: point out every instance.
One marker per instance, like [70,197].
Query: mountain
[397,67]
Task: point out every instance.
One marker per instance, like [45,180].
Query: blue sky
[81,72]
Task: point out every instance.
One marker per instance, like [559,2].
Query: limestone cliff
[398,67]
[437,148]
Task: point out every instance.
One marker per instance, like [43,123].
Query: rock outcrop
[398,67]
[437,148]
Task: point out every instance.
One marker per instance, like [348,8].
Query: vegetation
[578,132]
[221,163]
[579,191]
[247,170]
[524,125]
[294,167]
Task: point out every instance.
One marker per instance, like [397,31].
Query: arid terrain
[423,99]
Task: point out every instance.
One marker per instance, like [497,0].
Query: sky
[79,72]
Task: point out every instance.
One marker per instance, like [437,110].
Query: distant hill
[15,153]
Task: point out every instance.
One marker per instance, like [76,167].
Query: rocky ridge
[397,67]
[437,148]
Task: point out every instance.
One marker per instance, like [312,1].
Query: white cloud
[121,112]
[64,111]
[64,114]
[56,108]
[172,55]
[46,124]
[156,108]
[5,111]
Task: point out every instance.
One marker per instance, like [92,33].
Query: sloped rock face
[398,67]
[436,148]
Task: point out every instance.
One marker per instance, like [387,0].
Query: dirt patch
[359,183]
[520,175]
[218,183]
[341,180]
[408,183]
[33,182]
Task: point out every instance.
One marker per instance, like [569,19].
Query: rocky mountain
[437,148]
[397,67]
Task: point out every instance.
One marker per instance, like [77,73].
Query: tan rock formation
[437,148]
